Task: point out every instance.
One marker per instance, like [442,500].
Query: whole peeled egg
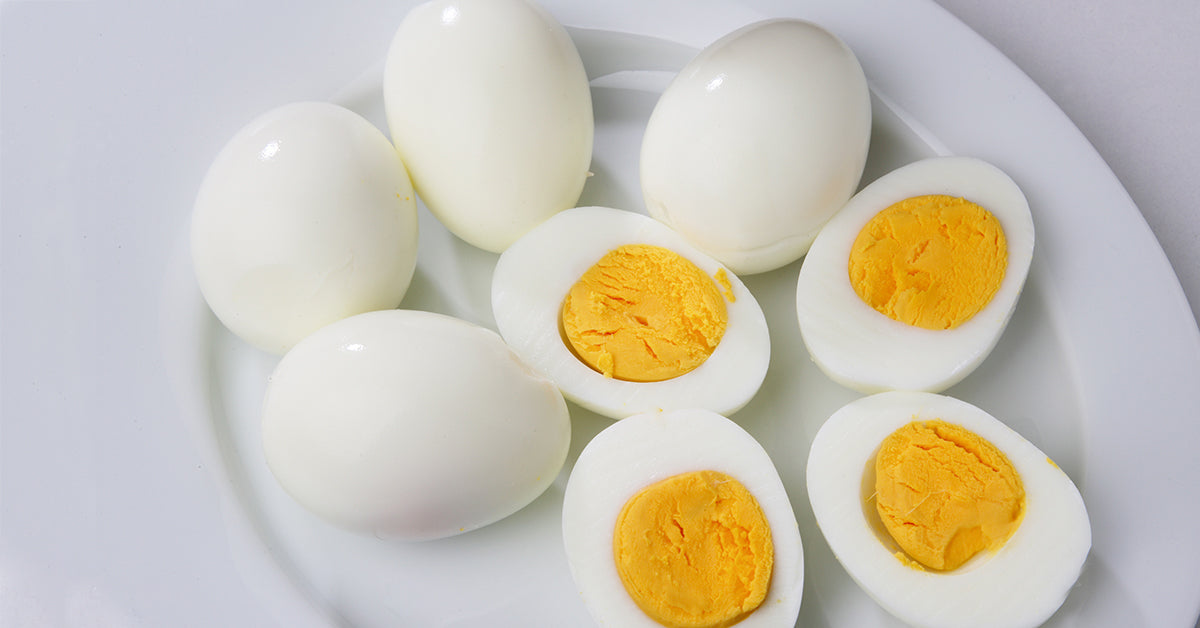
[944,515]
[679,518]
[757,142]
[912,284]
[625,316]
[489,106]
[305,217]
[411,425]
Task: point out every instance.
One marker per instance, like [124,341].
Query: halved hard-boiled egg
[625,316]
[943,514]
[911,284]
[411,425]
[677,519]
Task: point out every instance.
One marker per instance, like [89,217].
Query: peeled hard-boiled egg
[679,518]
[489,106]
[757,142]
[960,488]
[626,317]
[910,286]
[306,216]
[411,425]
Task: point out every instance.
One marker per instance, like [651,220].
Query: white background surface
[1126,73]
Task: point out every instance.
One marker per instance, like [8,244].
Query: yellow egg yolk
[644,314]
[695,550]
[945,494]
[929,261]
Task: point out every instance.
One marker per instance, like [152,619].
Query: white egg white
[535,274]
[1020,584]
[306,216]
[411,425]
[643,449]
[865,350]
[757,142]
[489,106]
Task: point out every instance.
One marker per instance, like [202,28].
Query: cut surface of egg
[626,317]
[943,514]
[679,518]
[911,284]
[757,142]
[306,216]
[489,106]
[411,425]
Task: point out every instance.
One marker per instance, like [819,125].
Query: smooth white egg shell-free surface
[859,347]
[1020,584]
[535,274]
[306,216]
[757,142]
[489,106]
[643,449]
[411,425]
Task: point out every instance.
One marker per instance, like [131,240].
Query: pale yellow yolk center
[945,494]
[645,314]
[695,551]
[929,261]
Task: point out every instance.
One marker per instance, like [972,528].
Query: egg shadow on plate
[461,285]
[895,141]
[606,52]
[621,115]
[423,294]
[604,189]
[1097,599]
[364,96]
[585,425]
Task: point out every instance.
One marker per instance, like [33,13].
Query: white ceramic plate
[1098,367]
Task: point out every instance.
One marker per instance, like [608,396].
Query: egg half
[681,514]
[757,142]
[305,217]
[411,425]
[1022,574]
[563,267]
[923,254]
[489,106]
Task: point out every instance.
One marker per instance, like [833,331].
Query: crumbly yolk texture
[929,261]
[695,550]
[644,313]
[945,494]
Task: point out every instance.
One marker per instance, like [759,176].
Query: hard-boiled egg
[679,518]
[489,106]
[757,142]
[910,286]
[943,514]
[411,425]
[625,316]
[306,216]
